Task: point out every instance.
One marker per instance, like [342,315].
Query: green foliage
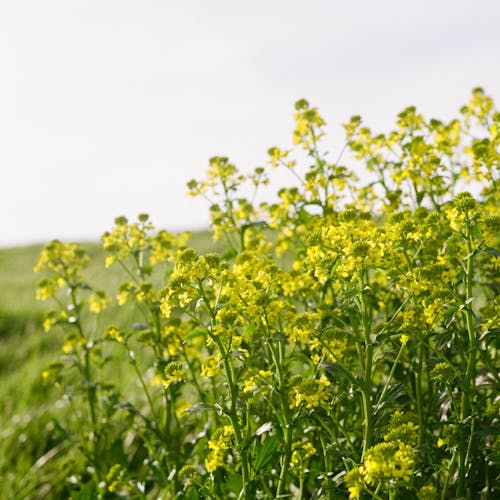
[343,346]
[36,459]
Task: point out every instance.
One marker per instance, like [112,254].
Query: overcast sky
[109,107]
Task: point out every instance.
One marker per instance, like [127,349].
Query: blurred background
[109,107]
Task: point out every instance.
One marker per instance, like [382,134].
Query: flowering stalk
[367,367]
[91,391]
[233,393]
[278,358]
[419,393]
[245,339]
[469,384]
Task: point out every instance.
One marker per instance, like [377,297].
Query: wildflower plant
[343,346]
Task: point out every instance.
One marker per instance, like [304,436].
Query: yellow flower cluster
[113,333]
[301,452]
[387,465]
[343,249]
[98,301]
[310,392]
[173,372]
[331,305]
[219,445]
[259,382]
[72,343]
[211,367]
[135,240]
[64,262]
[308,125]
[302,326]
[126,239]
[64,259]
[51,318]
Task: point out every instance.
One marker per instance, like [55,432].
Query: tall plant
[343,345]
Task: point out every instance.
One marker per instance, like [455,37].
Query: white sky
[109,107]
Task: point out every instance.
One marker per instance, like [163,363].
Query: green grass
[33,463]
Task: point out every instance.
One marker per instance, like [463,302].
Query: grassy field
[33,462]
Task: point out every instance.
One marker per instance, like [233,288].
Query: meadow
[33,446]
[338,340]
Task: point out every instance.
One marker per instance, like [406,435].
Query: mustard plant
[343,346]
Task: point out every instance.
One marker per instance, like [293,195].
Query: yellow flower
[46,288]
[109,261]
[354,491]
[113,333]
[388,461]
[211,367]
[53,370]
[219,444]
[427,492]
[311,392]
[98,302]
[301,453]
[124,292]
[173,372]
[71,343]
[49,320]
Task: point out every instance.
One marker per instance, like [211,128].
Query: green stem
[143,384]
[301,486]
[380,399]
[465,406]
[367,375]
[419,395]
[444,492]
[233,416]
[91,389]
[233,393]
[287,420]
[334,438]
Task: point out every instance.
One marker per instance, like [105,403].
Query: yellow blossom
[98,302]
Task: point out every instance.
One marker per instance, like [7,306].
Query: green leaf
[197,332]
[494,458]
[234,482]
[338,370]
[238,353]
[265,452]
[88,492]
[230,254]
[394,392]
[201,407]
[280,337]
[492,251]
[352,292]
[304,215]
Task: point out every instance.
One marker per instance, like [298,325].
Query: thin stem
[143,384]
[233,415]
[380,399]
[448,476]
[335,439]
[91,389]
[233,392]
[419,395]
[367,375]
[465,406]
[285,408]
[301,486]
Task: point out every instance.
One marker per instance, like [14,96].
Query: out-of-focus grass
[34,462]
